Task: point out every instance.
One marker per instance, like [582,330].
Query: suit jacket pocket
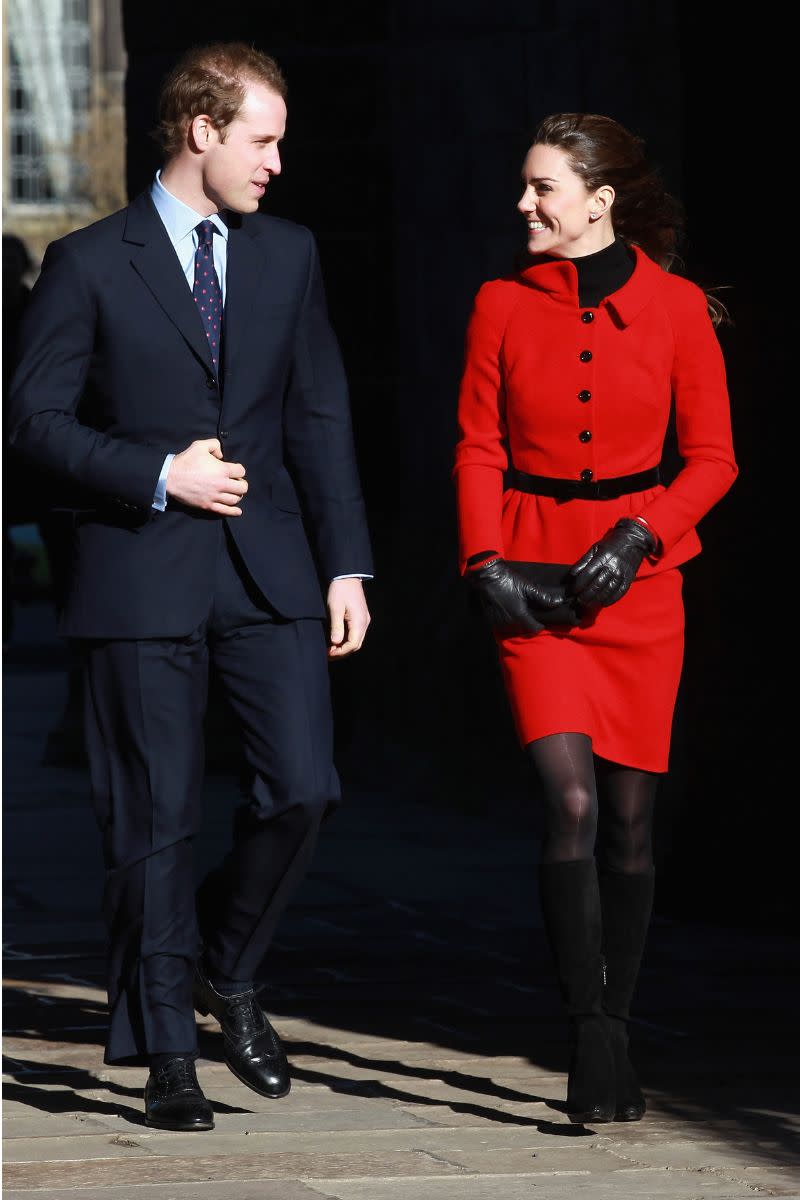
[115,516]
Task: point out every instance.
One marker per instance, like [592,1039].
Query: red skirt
[615,678]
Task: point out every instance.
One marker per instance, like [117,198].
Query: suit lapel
[246,265]
[153,257]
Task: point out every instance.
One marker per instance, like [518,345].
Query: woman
[571,367]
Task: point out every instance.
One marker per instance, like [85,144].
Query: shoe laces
[246,1013]
[180,1073]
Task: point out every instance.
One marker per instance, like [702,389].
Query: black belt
[582,489]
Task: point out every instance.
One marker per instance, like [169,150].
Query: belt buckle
[588,489]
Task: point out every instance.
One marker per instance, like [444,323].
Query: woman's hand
[608,568]
[509,600]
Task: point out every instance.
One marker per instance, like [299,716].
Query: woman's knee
[575,806]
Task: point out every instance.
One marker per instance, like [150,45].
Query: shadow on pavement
[419,924]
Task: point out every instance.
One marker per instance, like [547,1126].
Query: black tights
[572,778]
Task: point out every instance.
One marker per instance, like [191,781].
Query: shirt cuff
[351,577]
[160,498]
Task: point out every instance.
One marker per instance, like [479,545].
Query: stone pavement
[412,985]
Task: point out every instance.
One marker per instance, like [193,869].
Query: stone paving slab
[25,1122]
[261,1189]
[367,1165]
[633,1185]
[150,1168]
[454,1145]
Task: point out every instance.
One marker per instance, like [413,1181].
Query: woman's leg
[627,807]
[570,899]
[564,764]
[626,876]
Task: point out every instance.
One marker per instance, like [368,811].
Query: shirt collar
[559,278]
[179,219]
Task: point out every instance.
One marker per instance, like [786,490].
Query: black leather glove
[510,601]
[608,568]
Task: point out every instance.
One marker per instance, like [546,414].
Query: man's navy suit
[115,372]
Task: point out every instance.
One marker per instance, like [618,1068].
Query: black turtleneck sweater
[601,273]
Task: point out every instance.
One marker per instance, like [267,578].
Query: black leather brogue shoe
[174,1100]
[252,1048]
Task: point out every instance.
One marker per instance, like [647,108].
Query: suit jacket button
[210,381]
[586,475]
[584,396]
[587,318]
[585,435]
[224,433]
[586,356]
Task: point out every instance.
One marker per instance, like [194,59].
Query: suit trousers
[145,704]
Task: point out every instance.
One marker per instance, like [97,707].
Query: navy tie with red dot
[206,291]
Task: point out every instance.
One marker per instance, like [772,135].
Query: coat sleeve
[703,422]
[57,341]
[481,456]
[318,439]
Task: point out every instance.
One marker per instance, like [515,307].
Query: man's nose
[273,163]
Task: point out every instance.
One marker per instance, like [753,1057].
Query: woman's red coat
[652,343]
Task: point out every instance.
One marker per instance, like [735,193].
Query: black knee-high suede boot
[570,898]
[627,903]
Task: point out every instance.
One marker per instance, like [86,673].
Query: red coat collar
[560,280]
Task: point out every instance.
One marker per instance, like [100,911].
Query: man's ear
[201,133]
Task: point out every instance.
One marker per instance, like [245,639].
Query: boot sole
[175,1127]
[590,1118]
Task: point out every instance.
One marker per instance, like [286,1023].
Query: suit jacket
[557,390]
[115,372]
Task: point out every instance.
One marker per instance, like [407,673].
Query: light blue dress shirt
[180,222]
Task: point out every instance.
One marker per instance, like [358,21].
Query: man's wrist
[160,496]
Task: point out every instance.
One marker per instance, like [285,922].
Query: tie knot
[205,233]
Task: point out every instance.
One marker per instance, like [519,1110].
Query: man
[178,365]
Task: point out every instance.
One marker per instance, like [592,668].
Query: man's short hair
[211,80]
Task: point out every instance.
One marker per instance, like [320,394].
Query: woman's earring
[593,216]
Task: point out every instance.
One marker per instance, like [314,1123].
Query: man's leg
[144,711]
[275,675]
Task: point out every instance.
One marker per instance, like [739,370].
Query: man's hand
[349,616]
[200,477]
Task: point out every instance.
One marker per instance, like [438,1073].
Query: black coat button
[586,474]
[586,356]
[584,396]
[210,381]
[587,318]
[585,435]
[224,433]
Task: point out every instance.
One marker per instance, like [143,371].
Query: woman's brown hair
[601,151]
[211,80]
